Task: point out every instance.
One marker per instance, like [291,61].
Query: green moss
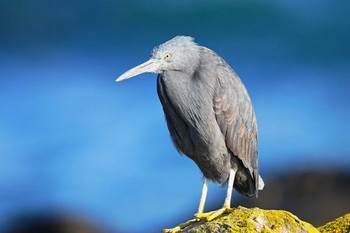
[340,225]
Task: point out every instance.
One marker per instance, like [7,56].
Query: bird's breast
[186,97]
[192,102]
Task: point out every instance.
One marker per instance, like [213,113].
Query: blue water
[72,139]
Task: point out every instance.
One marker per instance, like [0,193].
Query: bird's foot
[208,216]
[181,226]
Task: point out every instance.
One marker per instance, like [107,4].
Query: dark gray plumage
[208,112]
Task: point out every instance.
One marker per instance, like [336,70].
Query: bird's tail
[261,183]
[245,183]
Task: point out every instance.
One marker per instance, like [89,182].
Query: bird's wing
[177,126]
[236,118]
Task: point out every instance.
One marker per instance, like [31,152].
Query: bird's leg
[200,210]
[203,196]
[231,179]
[226,207]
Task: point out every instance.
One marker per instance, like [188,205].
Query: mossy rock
[253,220]
[340,225]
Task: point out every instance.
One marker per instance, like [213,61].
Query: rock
[340,225]
[305,194]
[253,220]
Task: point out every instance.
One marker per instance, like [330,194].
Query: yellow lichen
[244,220]
[340,225]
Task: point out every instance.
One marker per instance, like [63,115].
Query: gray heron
[209,115]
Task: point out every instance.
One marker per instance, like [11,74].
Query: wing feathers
[236,118]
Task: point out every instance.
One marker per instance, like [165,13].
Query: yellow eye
[167,56]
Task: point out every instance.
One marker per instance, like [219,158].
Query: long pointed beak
[149,66]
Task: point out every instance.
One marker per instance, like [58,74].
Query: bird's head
[178,54]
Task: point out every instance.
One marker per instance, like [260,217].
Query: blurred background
[79,150]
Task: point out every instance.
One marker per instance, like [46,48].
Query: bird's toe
[208,216]
[201,216]
[180,226]
[172,230]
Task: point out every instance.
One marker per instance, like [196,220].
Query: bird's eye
[167,56]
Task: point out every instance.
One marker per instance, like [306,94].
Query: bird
[209,115]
